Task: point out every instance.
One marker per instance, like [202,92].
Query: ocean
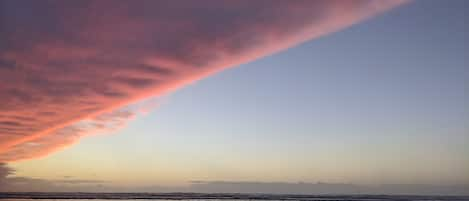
[213,197]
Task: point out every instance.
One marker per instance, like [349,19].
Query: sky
[220,95]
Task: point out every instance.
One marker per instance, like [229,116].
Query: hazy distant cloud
[64,62]
[8,182]
[4,172]
[274,187]
[325,188]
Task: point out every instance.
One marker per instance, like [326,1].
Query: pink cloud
[64,62]
[57,140]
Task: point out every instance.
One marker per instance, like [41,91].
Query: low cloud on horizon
[65,63]
[10,183]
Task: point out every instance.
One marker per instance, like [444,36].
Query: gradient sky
[384,101]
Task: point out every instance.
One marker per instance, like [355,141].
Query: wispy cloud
[8,182]
[63,62]
[43,145]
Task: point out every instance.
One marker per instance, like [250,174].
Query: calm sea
[213,197]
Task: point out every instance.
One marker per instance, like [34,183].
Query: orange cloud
[62,62]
